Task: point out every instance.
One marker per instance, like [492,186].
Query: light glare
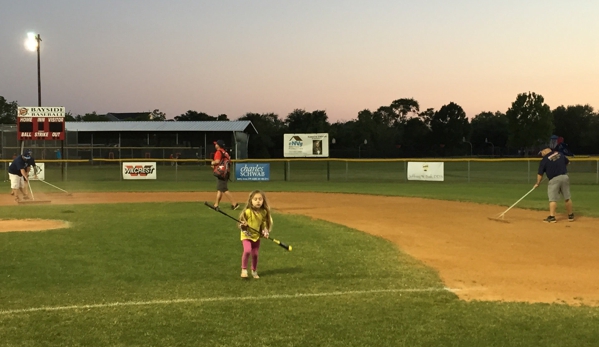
[31,42]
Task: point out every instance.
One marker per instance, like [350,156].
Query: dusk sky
[233,57]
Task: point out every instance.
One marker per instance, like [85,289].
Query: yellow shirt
[255,220]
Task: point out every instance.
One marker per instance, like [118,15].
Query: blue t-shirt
[20,163]
[553,164]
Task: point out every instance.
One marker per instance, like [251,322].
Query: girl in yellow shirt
[255,216]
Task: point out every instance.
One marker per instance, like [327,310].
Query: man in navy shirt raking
[554,165]
[18,171]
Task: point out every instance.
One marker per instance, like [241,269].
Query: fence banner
[252,172]
[426,171]
[39,169]
[139,171]
[306,145]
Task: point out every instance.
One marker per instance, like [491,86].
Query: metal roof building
[197,136]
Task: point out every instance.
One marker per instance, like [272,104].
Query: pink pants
[250,248]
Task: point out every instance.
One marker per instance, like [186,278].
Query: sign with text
[306,145]
[252,172]
[426,171]
[139,171]
[40,123]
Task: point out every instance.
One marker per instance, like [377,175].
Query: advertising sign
[139,171]
[426,171]
[252,172]
[306,145]
[40,123]
[39,168]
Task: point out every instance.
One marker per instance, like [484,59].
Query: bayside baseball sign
[139,170]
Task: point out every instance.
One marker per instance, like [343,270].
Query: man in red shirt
[222,184]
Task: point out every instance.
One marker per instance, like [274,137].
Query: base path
[525,260]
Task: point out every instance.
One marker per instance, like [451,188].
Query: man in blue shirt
[18,172]
[554,165]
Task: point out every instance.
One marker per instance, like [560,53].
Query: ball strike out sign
[40,123]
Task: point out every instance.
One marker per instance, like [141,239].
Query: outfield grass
[358,290]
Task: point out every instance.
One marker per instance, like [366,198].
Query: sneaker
[550,219]
[244,273]
[571,217]
[255,274]
[234,207]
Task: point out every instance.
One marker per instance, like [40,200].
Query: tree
[416,139]
[573,124]
[530,121]
[156,115]
[8,111]
[301,122]
[491,126]
[403,107]
[93,117]
[449,125]
[191,116]
[68,117]
[270,134]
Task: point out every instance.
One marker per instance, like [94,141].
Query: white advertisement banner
[139,171]
[39,169]
[306,145]
[426,171]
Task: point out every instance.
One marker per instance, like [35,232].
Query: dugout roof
[245,126]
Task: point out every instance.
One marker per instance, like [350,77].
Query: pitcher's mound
[8,225]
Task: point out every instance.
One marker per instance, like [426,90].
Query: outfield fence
[513,170]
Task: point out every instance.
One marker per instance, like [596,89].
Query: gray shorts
[222,185]
[559,185]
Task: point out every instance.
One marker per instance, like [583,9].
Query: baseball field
[121,263]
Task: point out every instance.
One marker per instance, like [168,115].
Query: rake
[501,217]
[51,185]
[32,201]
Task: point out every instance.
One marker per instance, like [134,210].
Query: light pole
[464,140]
[33,44]
[492,145]
[360,148]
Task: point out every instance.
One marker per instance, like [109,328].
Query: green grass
[167,251]
[154,253]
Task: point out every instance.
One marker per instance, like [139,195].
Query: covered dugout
[154,139]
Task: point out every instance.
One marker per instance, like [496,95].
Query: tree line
[402,129]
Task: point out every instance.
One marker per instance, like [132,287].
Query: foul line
[222,298]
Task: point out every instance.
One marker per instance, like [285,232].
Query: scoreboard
[40,123]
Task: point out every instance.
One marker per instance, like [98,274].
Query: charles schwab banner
[425,171]
[139,171]
[306,145]
[252,172]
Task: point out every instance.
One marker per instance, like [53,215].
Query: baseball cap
[220,143]
[27,154]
